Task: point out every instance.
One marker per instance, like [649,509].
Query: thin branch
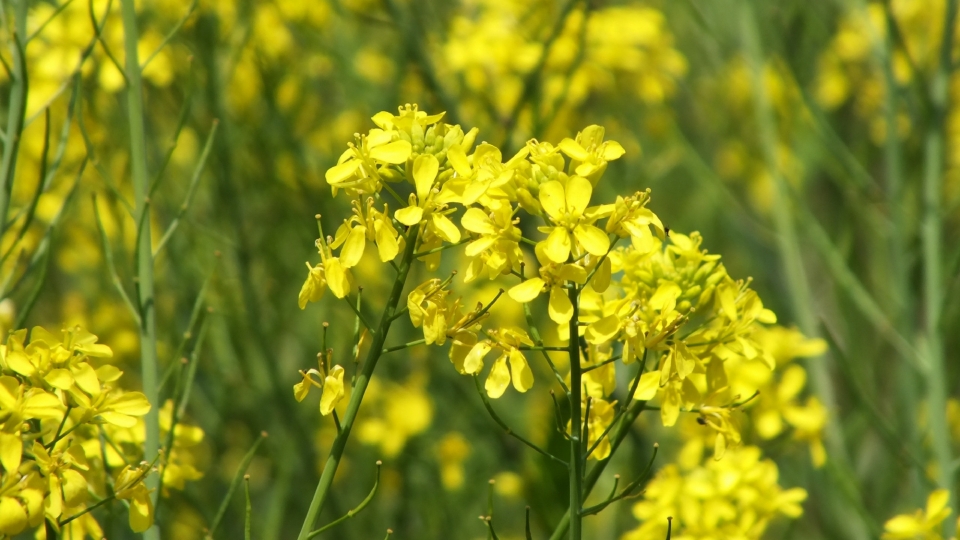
[351,513]
[111,267]
[503,425]
[190,191]
[170,35]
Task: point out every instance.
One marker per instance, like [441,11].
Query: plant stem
[145,300]
[15,112]
[792,261]
[931,230]
[576,444]
[356,397]
[616,437]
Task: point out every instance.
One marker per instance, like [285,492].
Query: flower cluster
[735,497]
[673,309]
[493,45]
[621,294]
[71,437]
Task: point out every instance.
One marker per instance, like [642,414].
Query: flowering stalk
[363,379]
[931,228]
[145,299]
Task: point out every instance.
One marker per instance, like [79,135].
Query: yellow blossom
[922,524]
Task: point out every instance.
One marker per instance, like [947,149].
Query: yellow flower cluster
[69,435]
[850,74]
[625,49]
[735,497]
[660,302]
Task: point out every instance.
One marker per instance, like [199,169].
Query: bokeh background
[802,139]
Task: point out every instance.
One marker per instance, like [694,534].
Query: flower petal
[648,386]
[475,220]
[342,172]
[409,216]
[473,362]
[425,169]
[557,245]
[578,193]
[594,240]
[498,379]
[446,229]
[552,199]
[560,309]
[332,390]
[353,247]
[573,149]
[458,159]
[520,371]
[526,291]
[395,153]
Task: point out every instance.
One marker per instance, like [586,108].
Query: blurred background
[814,145]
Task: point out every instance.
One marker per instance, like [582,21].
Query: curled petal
[446,228]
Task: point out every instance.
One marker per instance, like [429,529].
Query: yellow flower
[331,387]
[508,340]
[589,153]
[21,503]
[496,251]
[573,230]
[630,217]
[735,497]
[331,272]
[922,524]
[358,170]
[552,278]
[313,287]
[372,225]
[808,423]
[427,306]
[422,205]
[129,486]
[397,413]
[17,404]
[66,485]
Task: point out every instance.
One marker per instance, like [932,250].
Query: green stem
[145,300]
[931,230]
[617,437]
[576,444]
[15,112]
[792,261]
[356,397]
